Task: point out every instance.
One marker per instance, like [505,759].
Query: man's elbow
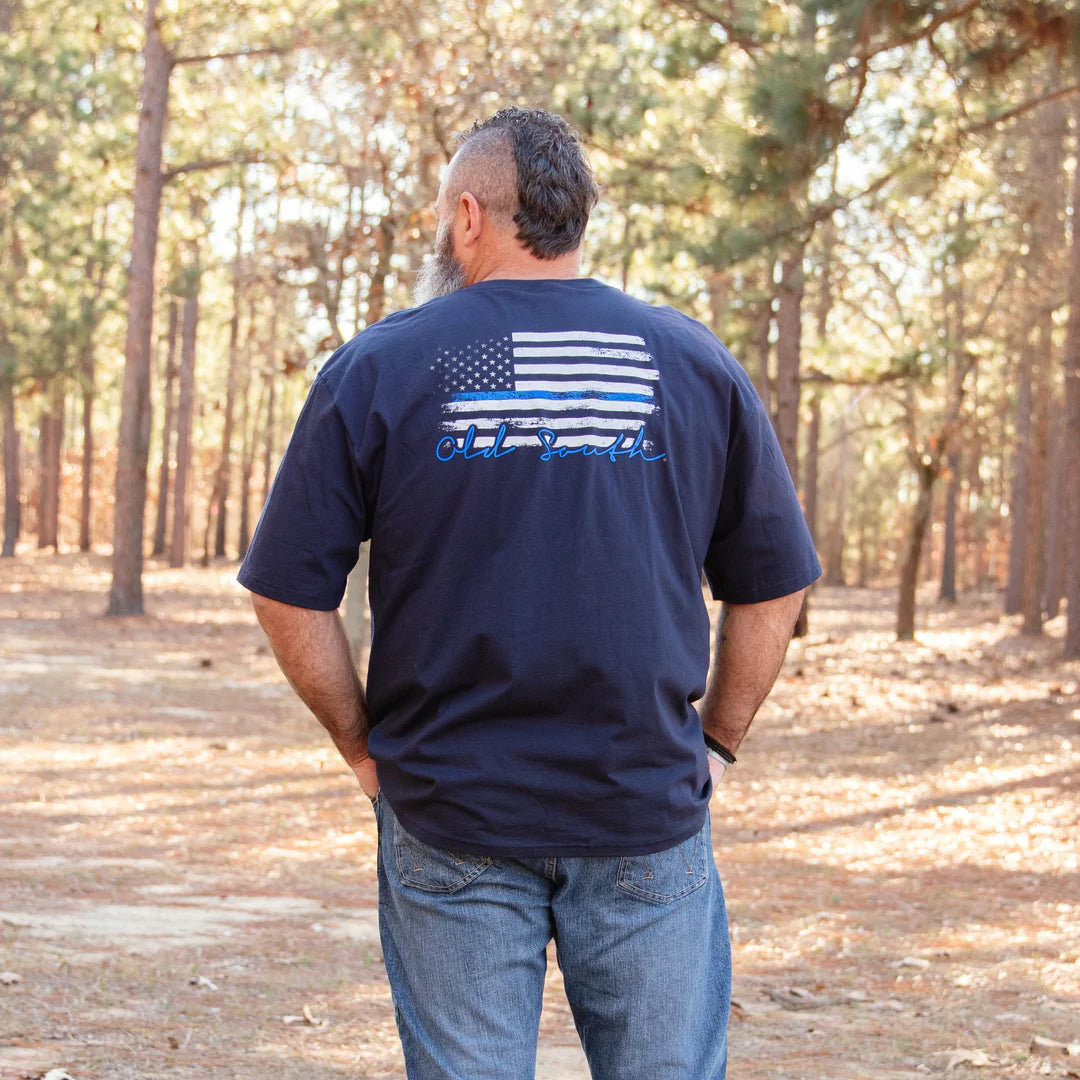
[266,610]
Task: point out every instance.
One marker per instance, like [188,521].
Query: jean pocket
[667,875]
[433,869]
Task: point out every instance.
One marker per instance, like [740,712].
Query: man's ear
[471,219]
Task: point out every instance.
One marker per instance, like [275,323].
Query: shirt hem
[553,850]
[272,591]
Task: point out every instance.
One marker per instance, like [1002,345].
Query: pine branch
[269,50]
[209,163]
[939,20]
[1023,107]
[736,36]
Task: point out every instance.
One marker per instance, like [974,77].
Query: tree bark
[1021,485]
[224,470]
[788,347]
[184,417]
[1056,543]
[50,444]
[167,427]
[867,536]
[249,420]
[87,495]
[813,449]
[268,434]
[948,556]
[835,540]
[1071,455]
[384,250]
[909,574]
[133,444]
[95,271]
[247,471]
[763,382]
[1034,579]
[12,500]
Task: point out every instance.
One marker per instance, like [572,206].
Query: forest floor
[187,874]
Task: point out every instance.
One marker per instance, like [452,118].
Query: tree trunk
[211,506]
[909,574]
[268,436]
[1071,455]
[249,422]
[835,540]
[50,446]
[184,417]
[1055,541]
[384,250]
[866,537]
[788,345]
[247,471]
[86,500]
[167,426]
[232,381]
[1034,580]
[813,448]
[133,444]
[1021,484]
[95,271]
[974,519]
[763,382]
[12,501]
[948,557]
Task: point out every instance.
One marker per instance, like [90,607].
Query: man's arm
[751,640]
[313,651]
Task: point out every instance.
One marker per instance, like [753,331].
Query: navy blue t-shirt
[543,468]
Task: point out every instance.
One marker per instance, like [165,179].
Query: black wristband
[722,750]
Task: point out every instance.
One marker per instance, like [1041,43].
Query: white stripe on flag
[497,407]
[586,350]
[555,423]
[586,369]
[582,335]
[582,387]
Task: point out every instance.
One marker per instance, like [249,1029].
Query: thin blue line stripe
[554,395]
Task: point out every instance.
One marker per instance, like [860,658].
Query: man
[543,466]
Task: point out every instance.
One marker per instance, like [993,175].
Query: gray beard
[441,273]
[439,276]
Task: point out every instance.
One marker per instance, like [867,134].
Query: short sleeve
[310,530]
[760,547]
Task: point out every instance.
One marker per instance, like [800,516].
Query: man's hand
[313,652]
[365,773]
[717,769]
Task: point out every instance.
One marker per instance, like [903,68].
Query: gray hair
[527,167]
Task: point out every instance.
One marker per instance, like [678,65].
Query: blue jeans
[642,943]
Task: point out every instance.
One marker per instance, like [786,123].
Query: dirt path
[187,882]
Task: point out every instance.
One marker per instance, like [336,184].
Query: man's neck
[522,266]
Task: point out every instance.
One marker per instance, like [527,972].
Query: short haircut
[542,156]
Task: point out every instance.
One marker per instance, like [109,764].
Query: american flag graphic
[585,387]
